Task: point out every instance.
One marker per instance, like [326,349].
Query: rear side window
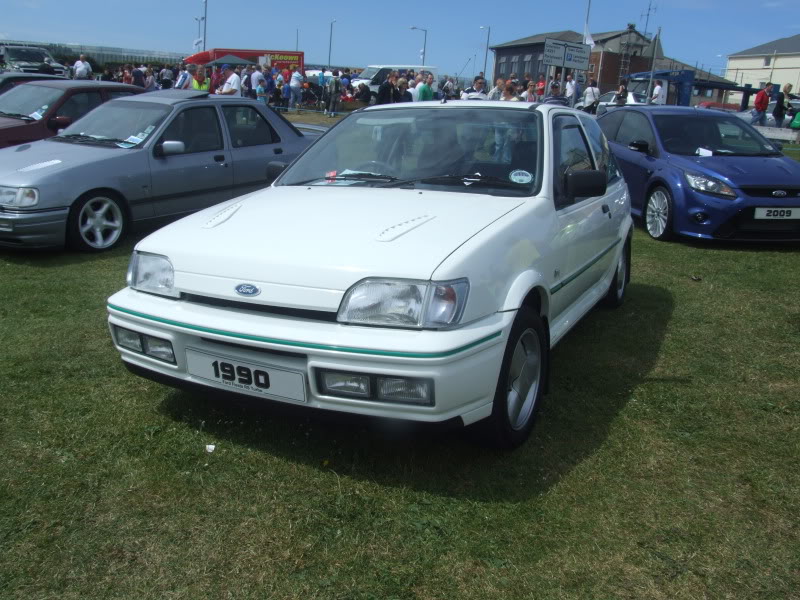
[610,123]
[570,153]
[79,104]
[248,127]
[198,128]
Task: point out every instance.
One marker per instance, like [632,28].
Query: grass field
[664,464]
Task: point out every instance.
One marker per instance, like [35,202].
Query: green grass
[664,464]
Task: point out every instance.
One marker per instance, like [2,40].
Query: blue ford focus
[704,174]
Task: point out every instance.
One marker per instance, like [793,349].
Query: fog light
[6,226]
[700,217]
[128,339]
[158,348]
[400,389]
[352,385]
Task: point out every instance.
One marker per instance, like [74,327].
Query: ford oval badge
[779,194]
[247,289]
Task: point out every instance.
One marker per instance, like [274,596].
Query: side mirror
[585,184]
[275,168]
[639,146]
[62,122]
[169,148]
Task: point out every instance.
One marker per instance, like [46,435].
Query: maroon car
[37,110]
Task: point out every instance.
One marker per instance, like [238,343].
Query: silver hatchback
[153,156]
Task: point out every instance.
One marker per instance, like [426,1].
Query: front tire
[658,214]
[522,381]
[616,291]
[97,223]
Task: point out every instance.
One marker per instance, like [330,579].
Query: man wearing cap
[233,84]
[555,96]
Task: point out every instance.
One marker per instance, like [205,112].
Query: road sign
[566,54]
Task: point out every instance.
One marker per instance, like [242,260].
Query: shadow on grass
[741,246]
[595,371]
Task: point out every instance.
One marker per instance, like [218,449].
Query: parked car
[38,109]
[704,174]
[418,262]
[607,101]
[146,157]
[10,79]
[29,59]
[747,115]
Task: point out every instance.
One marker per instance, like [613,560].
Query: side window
[198,128]
[602,155]
[610,123]
[248,127]
[570,153]
[380,76]
[79,104]
[634,127]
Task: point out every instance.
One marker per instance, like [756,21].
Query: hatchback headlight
[709,185]
[405,303]
[152,273]
[13,197]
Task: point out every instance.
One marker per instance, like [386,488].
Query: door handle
[219,157]
[277,150]
[606,209]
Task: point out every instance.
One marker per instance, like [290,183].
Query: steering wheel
[376,166]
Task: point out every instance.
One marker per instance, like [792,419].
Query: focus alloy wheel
[658,214]
[524,379]
[96,223]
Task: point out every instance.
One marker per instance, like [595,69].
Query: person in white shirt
[477,91]
[296,88]
[590,96]
[659,93]
[414,89]
[233,83]
[570,90]
[256,79]
[82,69]
[185,77]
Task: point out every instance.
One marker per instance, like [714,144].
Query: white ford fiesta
[418,262]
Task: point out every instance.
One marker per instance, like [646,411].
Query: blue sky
[378,32]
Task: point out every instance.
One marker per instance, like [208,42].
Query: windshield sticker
[36,115]
[520,176]
[41,165]
[125,145]
[149,129]
[704,152]
[141,135]
[133,140]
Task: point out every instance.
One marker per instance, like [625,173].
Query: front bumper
[735,220]
[463,364]
[33,228]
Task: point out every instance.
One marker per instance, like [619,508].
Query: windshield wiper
[349,177]
[17,116]
[82,138]
[465,179]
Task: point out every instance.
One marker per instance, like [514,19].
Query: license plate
[778,213]
[265,381]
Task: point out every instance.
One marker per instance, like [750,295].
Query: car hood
[11,123]
[305,246]
[745,170]
[27,164]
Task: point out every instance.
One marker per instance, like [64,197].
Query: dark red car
[37,110]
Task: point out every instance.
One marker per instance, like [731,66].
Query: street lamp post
[200,21]
[205,22]
[424,43]
[330,45]
[488,29]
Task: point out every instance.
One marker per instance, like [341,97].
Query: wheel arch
[528,290]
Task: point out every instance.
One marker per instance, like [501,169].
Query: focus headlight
[709,185]
[13,197]
[404,303]
[152,273]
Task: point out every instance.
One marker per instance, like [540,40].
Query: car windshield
[704,136]
[26,54]
[472,150]
[367,73]
[127,124]
[28,101]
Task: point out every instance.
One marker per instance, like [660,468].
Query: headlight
[152,273]
[709,185]
[13,197]
[404,303]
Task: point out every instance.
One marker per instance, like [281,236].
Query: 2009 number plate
[777,213]
[245,377]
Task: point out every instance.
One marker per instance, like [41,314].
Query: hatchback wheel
[522,381]
[96,223]
[616,291]
[658,214]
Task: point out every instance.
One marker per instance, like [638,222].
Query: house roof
[539,38]
[787,45]
[672,64]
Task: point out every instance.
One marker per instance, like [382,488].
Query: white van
[375,75]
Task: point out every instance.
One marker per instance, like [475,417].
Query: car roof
[172,97]
[674,110]
[480,104]
[68,84]
[30,76]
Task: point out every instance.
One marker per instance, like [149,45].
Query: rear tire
[521,384]
[97,223]
[616,291]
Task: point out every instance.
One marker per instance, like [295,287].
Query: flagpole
[652,66]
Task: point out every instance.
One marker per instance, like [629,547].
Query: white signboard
[566,54]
